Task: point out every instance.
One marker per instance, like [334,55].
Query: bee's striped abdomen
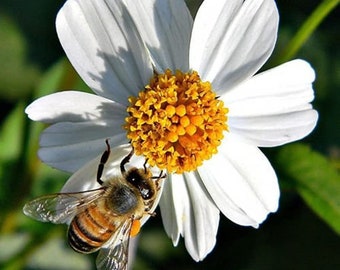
[89,230]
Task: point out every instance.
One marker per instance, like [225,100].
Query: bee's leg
[147,209]
[126,160]
[103,160]
[158,178]
[144,165]
[161,175]
[152,214]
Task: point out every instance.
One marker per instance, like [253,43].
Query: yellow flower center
[176,122]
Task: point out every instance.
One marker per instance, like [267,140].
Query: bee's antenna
[126,160]
[103,160]
[144,165]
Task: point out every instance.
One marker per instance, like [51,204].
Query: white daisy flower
[186,95]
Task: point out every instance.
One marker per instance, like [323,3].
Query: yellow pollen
[180,110]
[170,110]
[176,122]
[191,129]
[172,137]
[184,121]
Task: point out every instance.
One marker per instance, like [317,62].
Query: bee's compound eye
[135,177]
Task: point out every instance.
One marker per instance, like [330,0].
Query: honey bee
[105,218]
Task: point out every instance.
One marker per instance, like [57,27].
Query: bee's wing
[61,207]
[115,256]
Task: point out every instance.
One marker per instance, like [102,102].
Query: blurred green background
[303,234]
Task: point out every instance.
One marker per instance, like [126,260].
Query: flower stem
[306,30]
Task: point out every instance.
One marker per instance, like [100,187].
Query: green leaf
[61,76]
[14,177]
[55,254]
[17,76]
[12,244]
[11,134]
[52,79]
[315,179]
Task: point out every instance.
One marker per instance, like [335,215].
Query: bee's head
[142,180]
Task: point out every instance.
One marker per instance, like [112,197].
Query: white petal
[273,107]
[241,182]
[74,106]
[68,133]
[165,27]
[270,131]
[187,210]
[291,78]
[83,120]
[171,205]
[232,39]
[68,146]
[103,44]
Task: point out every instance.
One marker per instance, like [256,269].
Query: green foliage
[307,29]
[316,180]
[11,134]
[55,250]
[12,244]
[17,76]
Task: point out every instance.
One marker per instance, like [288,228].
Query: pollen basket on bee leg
[135,227]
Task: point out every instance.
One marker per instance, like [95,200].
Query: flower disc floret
[176,122]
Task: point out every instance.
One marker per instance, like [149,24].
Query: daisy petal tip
[256,225]
[306,67]
[199,255]
[310,122]
[171,231]
[33,110]
[28,109]
[315,118]
[40,109]
[271,208]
